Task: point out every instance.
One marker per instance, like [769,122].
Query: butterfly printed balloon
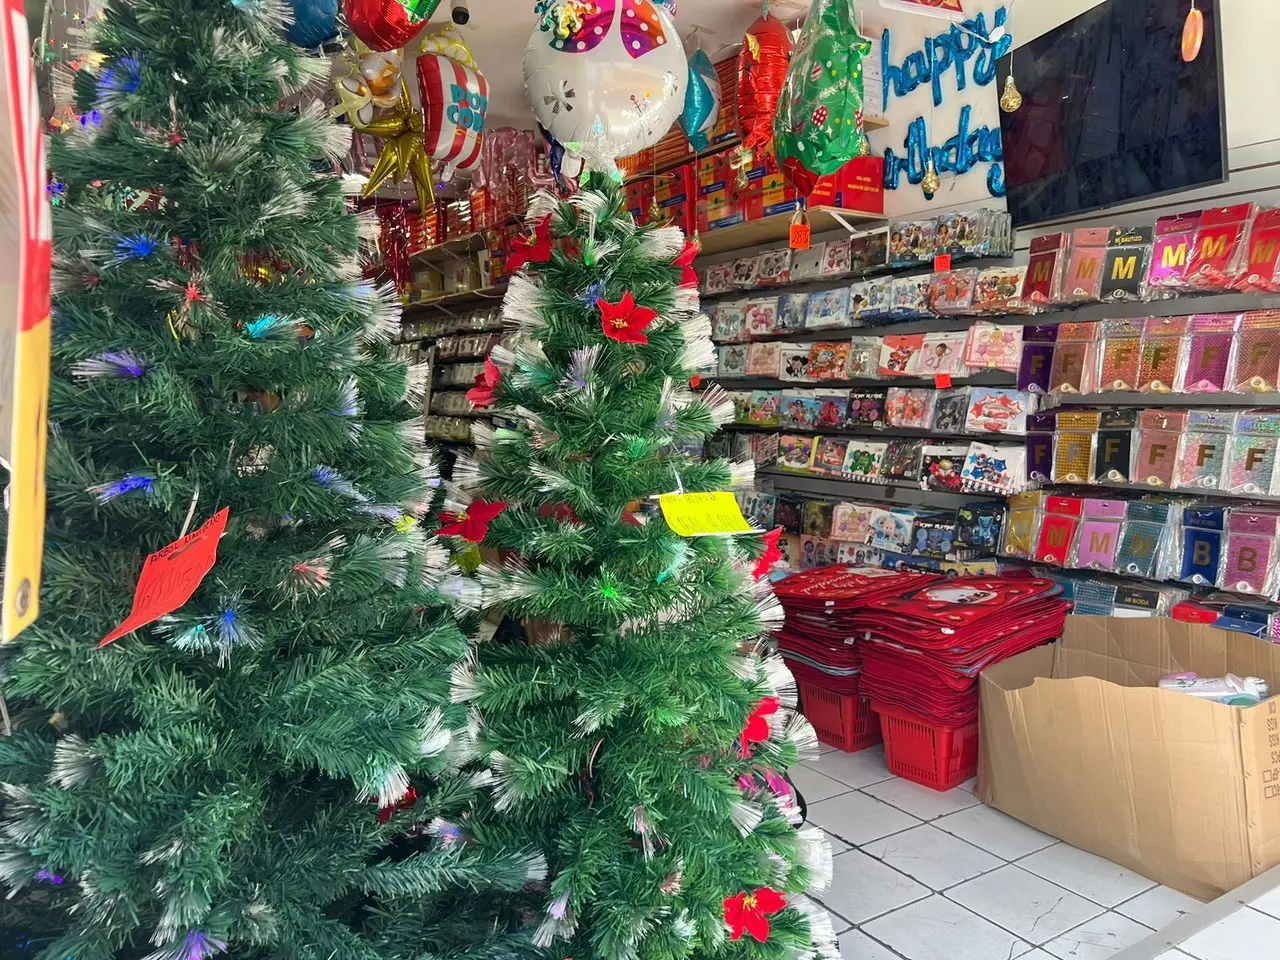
[614,80]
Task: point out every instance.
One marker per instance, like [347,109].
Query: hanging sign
[170,576]
[703,514]
[26,240]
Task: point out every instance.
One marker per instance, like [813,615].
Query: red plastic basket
[928,753]
[843,720]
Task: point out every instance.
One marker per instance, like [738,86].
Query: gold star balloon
[403,153]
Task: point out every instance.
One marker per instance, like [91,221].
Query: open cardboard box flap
[1078,742]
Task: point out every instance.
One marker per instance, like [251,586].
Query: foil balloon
[449,43]
[762,68]
[315,22]
[455,100]
[354,100]
[608,76]
[818,125]
[387,24]
[402,153]
[701,101]
[381,73]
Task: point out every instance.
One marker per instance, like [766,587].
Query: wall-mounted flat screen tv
[1111,113]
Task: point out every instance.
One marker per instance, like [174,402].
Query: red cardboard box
[858,185]
[639,197]
[768,191]
[481,210]
[675,196]
[720,200]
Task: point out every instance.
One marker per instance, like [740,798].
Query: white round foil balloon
[615,85]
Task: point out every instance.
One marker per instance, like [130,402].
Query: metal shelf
[496,292]
[753,233]
[798,482]
[872,433]
[983,379]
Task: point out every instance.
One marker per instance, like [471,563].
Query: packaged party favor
[775,266]
[836,263]
[942,467]
[1040,437]
[1251,461]
[1249,562]
[791,311]
[1099,535]
[879,305]
[795,452]
[901,460]
[830,308]
[1045,269]
[1083,282]
[910,407]
[829,360]
[1022,525]
[862,459]
[865,410]
[1203,529]
[1035,367]
[1121,350]
[942,354]
[992,347]
[1157,446]
[1258,270]
[1257,366]
[731,360]
[1173,239]
[864,358]
[998,410]
[730,325]
[1074,361]
[994,469]
[746,272]
[900,355]
[761,317]
[763,359]
[807,264]
[831,407]
[1058,528]
[951,292]
[950,410]
[909,297]
[1114,460]
[1221,234]
[1204,450]
[1143,538]
[1124,271]
[1164,353]
[793,362]
[764,407]
[857,303]
[1210,353]
[829,456]
[1075,445]
[869,251]
[998,290]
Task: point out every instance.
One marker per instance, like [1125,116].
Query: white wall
[1251,66]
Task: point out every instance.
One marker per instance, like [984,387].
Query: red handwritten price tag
[942,381]
[942,263]
[170,576]
[799,236]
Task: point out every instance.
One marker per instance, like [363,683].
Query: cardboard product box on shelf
[858,185]
[719,199]
[674,193]
[639,194]
[1078,742]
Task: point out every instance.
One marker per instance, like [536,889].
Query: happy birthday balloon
[818,127]
[701,101]
[612,79]
[762,68]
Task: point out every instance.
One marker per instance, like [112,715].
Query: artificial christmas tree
[233,777]
[636,737]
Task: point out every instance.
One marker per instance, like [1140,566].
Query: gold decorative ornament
[1011,99]
[931,182]
[403,152]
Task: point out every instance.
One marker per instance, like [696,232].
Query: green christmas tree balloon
[818,126]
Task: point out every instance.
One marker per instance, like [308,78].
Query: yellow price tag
[703,514]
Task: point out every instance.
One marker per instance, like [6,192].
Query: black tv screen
[1110,111]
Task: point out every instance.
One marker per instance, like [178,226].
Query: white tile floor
[923,875]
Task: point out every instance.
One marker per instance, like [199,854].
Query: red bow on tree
[472,523]
[535,248]
[746,912]
[404,803]
[481,395]
[771,553]
[688,276]
[757,728]
[624,321]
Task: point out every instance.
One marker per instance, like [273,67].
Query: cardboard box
[674,193]
[720,200]
[1078,742]
[858,185]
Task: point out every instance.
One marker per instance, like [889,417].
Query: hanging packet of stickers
[1210,353]
[1251,461]
[1099,537]
[1249,553]
[1075,365]
[1115,445]
[1121,355]
[1205,448]
[1143,536]
[1157,446]
[1164,353]
[1075,446]
[1058,528]
[1022,524]
[1200,545]
[1174,237]
[1040,438]
[1257,269]
[1257,360]
[1220,236]
[1124,275]
[1035,365]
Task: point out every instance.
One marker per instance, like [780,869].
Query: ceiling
[499,30]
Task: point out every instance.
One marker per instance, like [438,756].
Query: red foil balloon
[382,24]
[762,68]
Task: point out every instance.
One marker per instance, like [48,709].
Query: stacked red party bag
[922,651]
[819,645]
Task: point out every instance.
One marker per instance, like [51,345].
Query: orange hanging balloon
[1192,34]
[762,68]
[382,24]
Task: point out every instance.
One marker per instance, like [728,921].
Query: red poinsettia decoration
[757,728]
[748,912]
[535,248]
[404,803]
[772,554]
[472,523]
[481,395]
[624,321]
[688,276]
